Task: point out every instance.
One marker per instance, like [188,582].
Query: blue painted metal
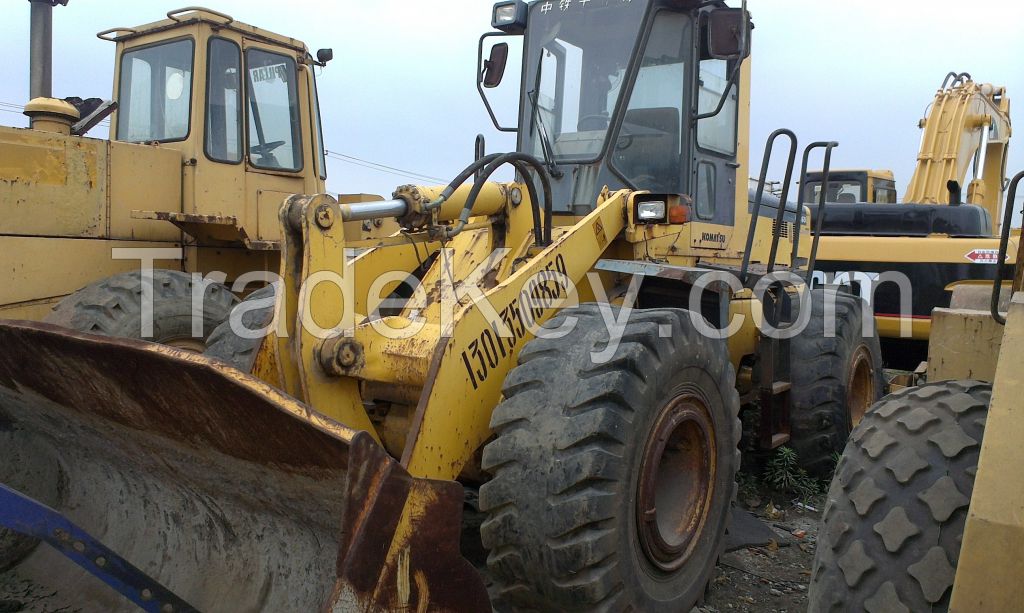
[29,517]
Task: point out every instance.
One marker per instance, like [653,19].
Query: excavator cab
[853,186]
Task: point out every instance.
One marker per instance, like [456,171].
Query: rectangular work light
[510,17]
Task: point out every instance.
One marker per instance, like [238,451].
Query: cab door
[277,142]
[715,153]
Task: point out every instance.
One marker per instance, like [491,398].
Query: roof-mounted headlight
[510,17]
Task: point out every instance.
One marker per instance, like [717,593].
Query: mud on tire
[573,438]
[834,379]
[113,307]
[895,516]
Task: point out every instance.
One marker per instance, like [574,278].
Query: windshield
[845,192]
[577,58]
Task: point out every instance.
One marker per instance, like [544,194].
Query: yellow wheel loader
[575,345]
[943,241]
[925,511]
[180,184]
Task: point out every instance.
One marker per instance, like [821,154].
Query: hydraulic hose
[519,161]
[460,179]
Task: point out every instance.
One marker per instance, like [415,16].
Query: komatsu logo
[707,237]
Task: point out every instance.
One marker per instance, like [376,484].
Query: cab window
[155,93]
[717,133]
[649,148]
[224,102]
[274,137]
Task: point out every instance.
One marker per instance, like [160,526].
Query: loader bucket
[204,482]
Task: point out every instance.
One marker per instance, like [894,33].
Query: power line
[351,159]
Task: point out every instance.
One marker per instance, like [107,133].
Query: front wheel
[612,481]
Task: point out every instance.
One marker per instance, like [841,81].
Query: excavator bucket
[137,475]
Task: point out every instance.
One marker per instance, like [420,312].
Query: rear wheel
[835,380]
[895,516]
[113,307]
[612,481]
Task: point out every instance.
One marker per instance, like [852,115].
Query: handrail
[819,222]
[762,181]
[173,15]
[106,34]
[1004,244]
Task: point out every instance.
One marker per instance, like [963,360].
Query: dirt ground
[773,578]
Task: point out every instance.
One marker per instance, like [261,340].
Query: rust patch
[427,572]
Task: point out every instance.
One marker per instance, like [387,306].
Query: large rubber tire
[572,436]
[834,380]
[240,351]
[894,520]
[113,307]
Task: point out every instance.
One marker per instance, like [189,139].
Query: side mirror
[494,68]
[728,34]
[324,55]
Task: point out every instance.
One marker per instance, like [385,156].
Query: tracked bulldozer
[572,348]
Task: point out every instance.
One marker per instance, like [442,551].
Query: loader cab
[237,102]
[638,95]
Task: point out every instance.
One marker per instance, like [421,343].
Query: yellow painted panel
[990,576]
[144,178]
[964,345]
[268,204]
[937,249]
[51,185]
[43,268]
[28,311]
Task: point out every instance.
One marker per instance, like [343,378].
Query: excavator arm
[967,129]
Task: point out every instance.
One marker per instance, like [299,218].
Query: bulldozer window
[649,146]
[576,65]
[224,102]
[274,137]
[155,93]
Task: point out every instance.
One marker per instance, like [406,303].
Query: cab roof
[193,15]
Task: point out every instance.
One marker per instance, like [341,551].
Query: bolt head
[347,356]
[324,216]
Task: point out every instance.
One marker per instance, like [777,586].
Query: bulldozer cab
[240,105]
[639,95]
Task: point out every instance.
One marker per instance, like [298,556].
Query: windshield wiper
[545,140]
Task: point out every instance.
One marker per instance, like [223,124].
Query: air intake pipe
[41,48]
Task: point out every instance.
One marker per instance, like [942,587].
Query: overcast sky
[401,89]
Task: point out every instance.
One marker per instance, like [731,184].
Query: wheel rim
[861,388]
[676,482]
